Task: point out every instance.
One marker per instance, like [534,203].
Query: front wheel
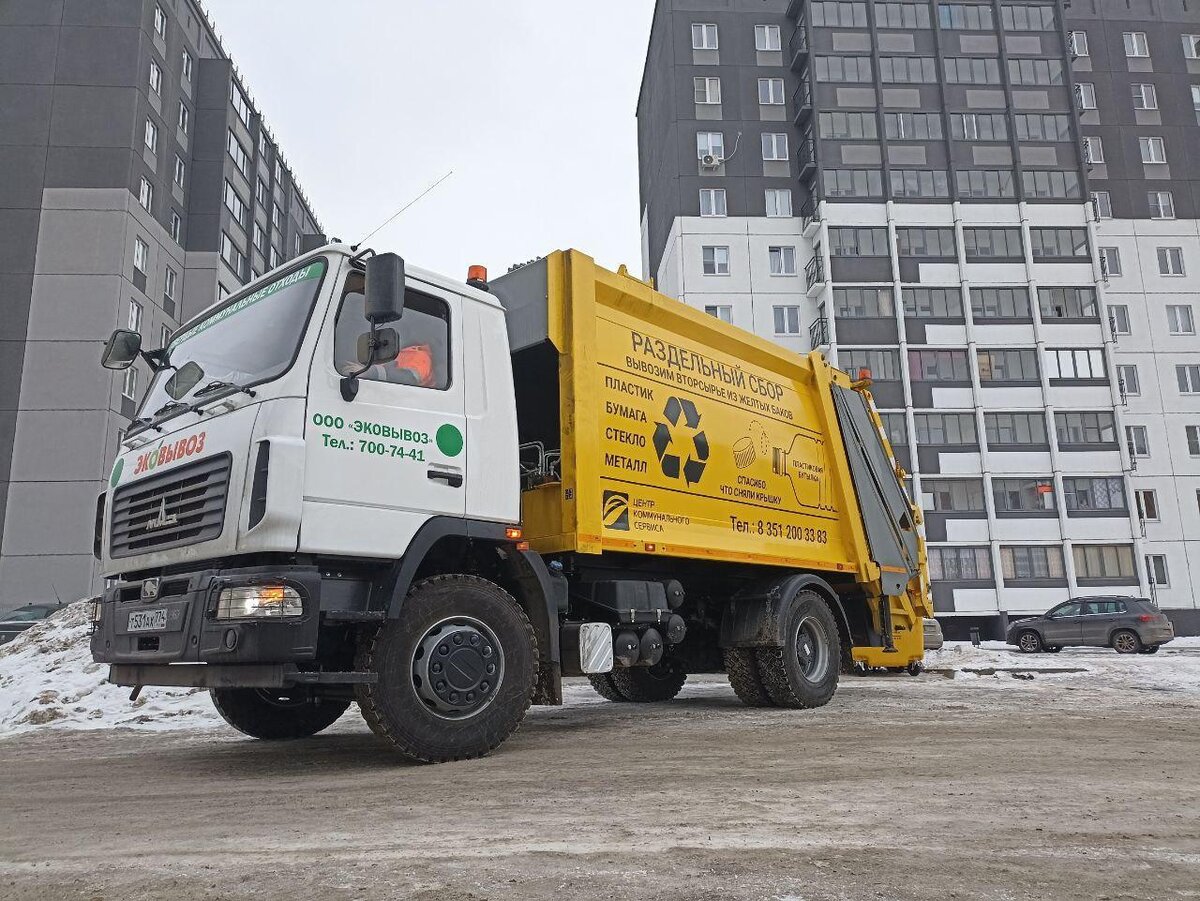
[1029,642]
[276,714]
[915,668]
[1126,642]
[804,672]
[456,670]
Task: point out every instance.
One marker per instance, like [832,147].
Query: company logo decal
[161,519]
[616,511]
[680,439]
[163,454]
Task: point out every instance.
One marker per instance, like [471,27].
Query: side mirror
[122,349]
[384,300]
[185,378]
[378,346]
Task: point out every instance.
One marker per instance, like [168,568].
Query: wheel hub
[811,650]
[457,667]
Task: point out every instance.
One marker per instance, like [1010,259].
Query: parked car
[1128,625]
[14,622]
[933,634]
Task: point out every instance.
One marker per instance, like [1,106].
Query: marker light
[513,533]
[476,273]
[259,602]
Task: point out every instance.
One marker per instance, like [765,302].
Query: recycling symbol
[680,437]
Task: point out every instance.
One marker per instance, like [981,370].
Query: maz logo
[162,519]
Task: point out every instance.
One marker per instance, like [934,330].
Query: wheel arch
[755,616]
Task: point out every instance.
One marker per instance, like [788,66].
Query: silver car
[1128,625]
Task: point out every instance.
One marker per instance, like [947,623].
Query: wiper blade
[170,406]
[218,385]
[142,422]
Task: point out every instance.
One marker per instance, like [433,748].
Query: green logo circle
[116,473]
[449,440]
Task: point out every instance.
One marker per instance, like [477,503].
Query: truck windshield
[250,339]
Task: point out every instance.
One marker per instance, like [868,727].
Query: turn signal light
[513,533]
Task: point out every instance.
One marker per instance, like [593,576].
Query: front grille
[180,507]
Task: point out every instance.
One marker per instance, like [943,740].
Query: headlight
[259,601]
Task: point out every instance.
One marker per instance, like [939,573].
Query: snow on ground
[48,679]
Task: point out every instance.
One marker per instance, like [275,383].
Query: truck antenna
[388,221]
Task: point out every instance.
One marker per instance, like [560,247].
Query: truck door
[382,464]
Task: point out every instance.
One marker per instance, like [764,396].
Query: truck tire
[804,672]
[456,670]
[649,684]
[274,715]
[742,666]
[603,684]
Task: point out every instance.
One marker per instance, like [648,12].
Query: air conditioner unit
[711,161]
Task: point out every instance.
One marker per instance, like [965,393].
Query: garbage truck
[359,481]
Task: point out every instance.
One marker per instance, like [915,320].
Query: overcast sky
[530,102]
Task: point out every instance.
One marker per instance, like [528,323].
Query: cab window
[424,357]
[1068,609]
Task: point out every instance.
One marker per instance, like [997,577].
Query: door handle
[453,479]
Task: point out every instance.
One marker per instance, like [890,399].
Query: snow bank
[47,678]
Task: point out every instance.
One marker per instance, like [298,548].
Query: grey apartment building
[138,185]
[994,208]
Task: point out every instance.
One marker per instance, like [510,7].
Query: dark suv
[1130,625]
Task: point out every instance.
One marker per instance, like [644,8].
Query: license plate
[148,620]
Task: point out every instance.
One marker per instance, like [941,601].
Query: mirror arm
[349,383]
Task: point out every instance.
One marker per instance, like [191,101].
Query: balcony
[810,216]
[818,334]
[802,101]
[814,273]
[798,47]
[806,156]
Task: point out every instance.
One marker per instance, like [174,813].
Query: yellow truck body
[678,435]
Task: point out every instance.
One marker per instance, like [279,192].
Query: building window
[1136,44]
[902,126]
[852,182]
[965,17]
[1035,72]
[232,256]
[838,15]
[919,183]
[945,429]
[960,564]
[164,335]
[1085,95]
[1059,243]
[1104,561]
[151,137]
[710,143]
[952,495]
[262,193]
[1078,43]
[716,260]
[882,365]
[186,66]
[1083,429]
[1156,570]
[176,227]
[1147,504]
[1093,149]
[708,90]
[1180,320]
[169,279]
[1110,260]
[845,241]
[146,195]
[778,202]
[1196,97]
[782,260]
[185,117]
[902,15]
[1001,303]
[1068,303]
[1191,46]
[1102,201]
[1127,379]
[235,204]
[276,218]
[260,239]
[1027,18]
[985,183]
[155,77]
[1152,149]
[1019,562]
[1144,96]
[774,147]
[239,155]
[278,170]
[1118,318]
[971,70]
[1042,127]
[141,256]
[843,68]
[1137,439]
[1188,379]
[984,243]
[1161,203]
[979,126]
[932,303]
[129,384]
[160,22]
[1075,363]
[770,91]
[712,202]
[724,312]
[787,320]
[938,366]
[1008,365]
[907,70]
[843,126]
[264,143]
[895,428]
[1193,439]
[1023,495]
[1170,261]
[767,37]
[240,104]
[926,242]
[1050,184]
[704,37]
[863,303]
[1014,430]
[135,317]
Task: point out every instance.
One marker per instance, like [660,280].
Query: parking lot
[1083,785]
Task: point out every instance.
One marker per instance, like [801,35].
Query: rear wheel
[1052,648]
[1126,641]
[276,714]
[603,684]
[804,672]
[1029,642]
[742,666]
[456,670]
[648,684]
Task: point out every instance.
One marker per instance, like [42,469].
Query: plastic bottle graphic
[803,465]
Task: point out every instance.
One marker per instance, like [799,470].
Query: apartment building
[991,207]
[139,183]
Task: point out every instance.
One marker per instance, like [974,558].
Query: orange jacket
[417,359]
